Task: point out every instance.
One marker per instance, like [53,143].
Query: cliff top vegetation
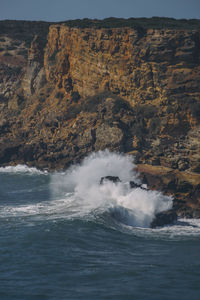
[146,23]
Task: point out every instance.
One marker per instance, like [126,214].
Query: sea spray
[56,246]
[98,164]
[77,193]
[134,207]
[30,197]
[21,169]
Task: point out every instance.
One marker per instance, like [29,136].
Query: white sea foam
[135,207]
[20,169]
[77,193]
[183,229]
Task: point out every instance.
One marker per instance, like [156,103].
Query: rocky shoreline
[160,219]
[69,89]
[184,187]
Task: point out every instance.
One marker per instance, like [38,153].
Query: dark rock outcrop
[161,219]
[134,185]
[114,179]
[164,218]
[183,186]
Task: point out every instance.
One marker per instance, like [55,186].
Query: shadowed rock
[114,179]
[164,218]
[134,185]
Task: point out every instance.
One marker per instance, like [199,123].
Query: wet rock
[164,218]
[114,179]
[184,187]
[134,185]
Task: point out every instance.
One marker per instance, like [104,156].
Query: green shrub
[140,24]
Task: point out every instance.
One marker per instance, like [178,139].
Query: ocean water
[65,236]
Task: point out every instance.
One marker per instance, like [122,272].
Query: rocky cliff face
[79,90]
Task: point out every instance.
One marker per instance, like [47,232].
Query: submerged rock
[164,218]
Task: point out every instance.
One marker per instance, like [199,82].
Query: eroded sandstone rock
[78,90]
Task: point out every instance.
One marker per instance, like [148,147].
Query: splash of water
[77,193]
[21,169]
[135,207]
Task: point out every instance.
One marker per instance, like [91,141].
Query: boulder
[164,218]
[114,179]
[134,185]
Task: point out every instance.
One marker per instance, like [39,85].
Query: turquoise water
[54,246]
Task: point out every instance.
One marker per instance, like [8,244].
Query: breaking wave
[21,169]
[77,194]
[134,207]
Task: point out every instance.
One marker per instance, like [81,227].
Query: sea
[63,235]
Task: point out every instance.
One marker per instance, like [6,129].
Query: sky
[61,10]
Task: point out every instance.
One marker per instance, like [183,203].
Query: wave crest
[135,207]
[21,169]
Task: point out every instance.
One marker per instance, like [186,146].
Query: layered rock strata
[78,90]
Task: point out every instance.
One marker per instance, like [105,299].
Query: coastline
[130,86]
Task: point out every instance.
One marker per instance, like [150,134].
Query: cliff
[68,89]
